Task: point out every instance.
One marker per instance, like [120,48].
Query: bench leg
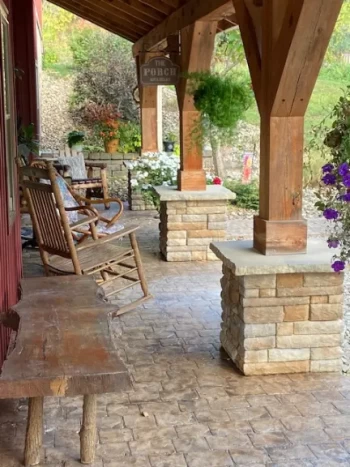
[34,435]
[88,430]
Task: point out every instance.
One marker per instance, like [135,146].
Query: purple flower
[338,266]
[331,214]
[345,197]
[333,243]
[327,168]
[343,169]
[329,179]
[346,180]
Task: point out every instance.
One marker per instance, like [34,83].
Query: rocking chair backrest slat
[48,214]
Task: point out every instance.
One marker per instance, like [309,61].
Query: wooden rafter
[136,6]
[99,20]
[138,15]
[189,13]
[159,6]
[123,17]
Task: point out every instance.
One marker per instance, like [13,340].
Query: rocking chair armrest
[81,222]
[114,219]
[96,165]
[90,219]
[109,238]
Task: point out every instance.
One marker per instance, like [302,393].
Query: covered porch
[189,406]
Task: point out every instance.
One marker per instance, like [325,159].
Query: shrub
[106,72]
[153,169]
[247,196]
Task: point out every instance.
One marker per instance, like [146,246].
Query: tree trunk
[217,155]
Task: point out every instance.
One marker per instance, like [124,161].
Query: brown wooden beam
[159,6]
[285,43]
[148,109]
[136,6]
[137,15]
[123,17]
[189,13]
[97,19]
[197,47]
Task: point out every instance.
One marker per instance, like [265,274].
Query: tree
[340,42]
[106,72]
[57,27]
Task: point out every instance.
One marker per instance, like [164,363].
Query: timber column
[285,43]
[197,46]
[149,109]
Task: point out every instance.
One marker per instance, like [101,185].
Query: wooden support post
[88,430]
[197,46]
[34,435]
[149,109]
[285,42]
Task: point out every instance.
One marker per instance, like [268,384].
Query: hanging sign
[159,71]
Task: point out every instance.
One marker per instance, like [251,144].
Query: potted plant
[109,132]
[27,143]
[75,140]
[169,142]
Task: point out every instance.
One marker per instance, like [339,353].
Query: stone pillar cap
[212,193]
[244,260]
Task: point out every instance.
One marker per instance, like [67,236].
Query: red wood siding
[10,243]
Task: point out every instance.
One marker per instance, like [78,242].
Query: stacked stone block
[283,323]
[187,228]
[137,202]
[116,162]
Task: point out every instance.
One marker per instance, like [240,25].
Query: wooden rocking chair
[60,253]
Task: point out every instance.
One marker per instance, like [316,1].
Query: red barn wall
[23,17]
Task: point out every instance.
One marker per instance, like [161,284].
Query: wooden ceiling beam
[121,16]
[189,13]
[121,8]
[98,20]
[135,7]
[159,6]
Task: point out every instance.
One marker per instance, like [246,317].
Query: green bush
[106,72]
[247,196]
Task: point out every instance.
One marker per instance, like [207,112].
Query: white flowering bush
[153,169]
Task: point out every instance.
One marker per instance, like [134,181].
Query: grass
[326,94]
[61,69]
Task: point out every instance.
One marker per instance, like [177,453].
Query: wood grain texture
[149,108]
[285,43]
[280,237]
[188,14]
[88,431]
[197,47]
[71,352]
[34,434]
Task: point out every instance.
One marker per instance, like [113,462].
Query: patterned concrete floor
[188,406]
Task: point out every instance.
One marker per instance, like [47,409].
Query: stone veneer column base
[281,314]
[191,220]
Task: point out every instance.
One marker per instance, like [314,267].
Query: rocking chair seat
[91,259]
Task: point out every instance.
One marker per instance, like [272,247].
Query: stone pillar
[281,316]
[190,221]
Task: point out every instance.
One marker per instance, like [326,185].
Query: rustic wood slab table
[61,346]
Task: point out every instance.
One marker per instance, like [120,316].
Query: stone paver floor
[189,407]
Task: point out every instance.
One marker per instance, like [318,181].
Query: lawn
[325,96]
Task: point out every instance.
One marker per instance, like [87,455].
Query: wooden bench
[61,346]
